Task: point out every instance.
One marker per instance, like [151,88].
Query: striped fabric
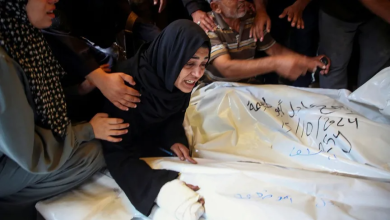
[224,40]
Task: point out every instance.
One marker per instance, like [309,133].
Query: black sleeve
[191,6]
[135,177]
[74,54]
[173,131]
[145,31]
[195,5]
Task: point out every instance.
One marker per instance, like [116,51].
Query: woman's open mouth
[51,14]
[190,82]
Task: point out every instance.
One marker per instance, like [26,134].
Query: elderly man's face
[232,8]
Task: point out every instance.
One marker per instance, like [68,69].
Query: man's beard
[239,14]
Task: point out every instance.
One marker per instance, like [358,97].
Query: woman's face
[40,12]
[192,71]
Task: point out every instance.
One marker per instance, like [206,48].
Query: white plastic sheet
[286,126]
[271,152]
[236,190]
[375,92]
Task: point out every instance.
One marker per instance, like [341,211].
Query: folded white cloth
[176,198]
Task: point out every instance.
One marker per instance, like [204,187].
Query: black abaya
[157,121]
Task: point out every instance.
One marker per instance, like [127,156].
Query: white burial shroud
[269,152]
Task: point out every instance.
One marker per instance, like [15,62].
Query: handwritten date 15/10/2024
[308,128]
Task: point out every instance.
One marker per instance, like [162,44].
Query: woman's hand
[114,88]
[196,188]
[182,152]
[105,127]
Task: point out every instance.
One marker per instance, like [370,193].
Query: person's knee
[91,156]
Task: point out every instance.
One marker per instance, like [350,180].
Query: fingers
[203,27]
[268,25]
[127,78]
[117,132]
[178,152]
[118,126]
[319,64]
[201,201]
[290,16]
[284,13]
[131,92]
[114,121]
[186,154]
[120,106]
[113,139]
[131,98]
[301,24]
[206,26]
[260,32]
[195,188]
[295,19]
[209,22]
[127,104]
[162,6]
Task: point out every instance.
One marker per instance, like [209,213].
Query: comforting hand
[105,127]
[294,13]
[114,88]
[260,22]
[163,3]
[293,66]
[206,21]
[182,152]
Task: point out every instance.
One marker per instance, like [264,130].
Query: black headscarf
[27,46]
[156,67]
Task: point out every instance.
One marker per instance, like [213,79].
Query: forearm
[302,3]
[379,7]
[97,77]
[246,68]
[260,4]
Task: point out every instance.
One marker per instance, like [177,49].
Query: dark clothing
[78,58]
[195,5]
[303,41]
[97,20]
[346,10]
[76,55]
[157,120]
[337,41]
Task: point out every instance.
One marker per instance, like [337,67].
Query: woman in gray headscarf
[41,153]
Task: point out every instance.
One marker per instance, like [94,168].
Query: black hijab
[27,46]
[156,67]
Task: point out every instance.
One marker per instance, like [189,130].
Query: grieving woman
[41,153]
[165,72]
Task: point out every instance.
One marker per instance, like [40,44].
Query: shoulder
[7,63]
